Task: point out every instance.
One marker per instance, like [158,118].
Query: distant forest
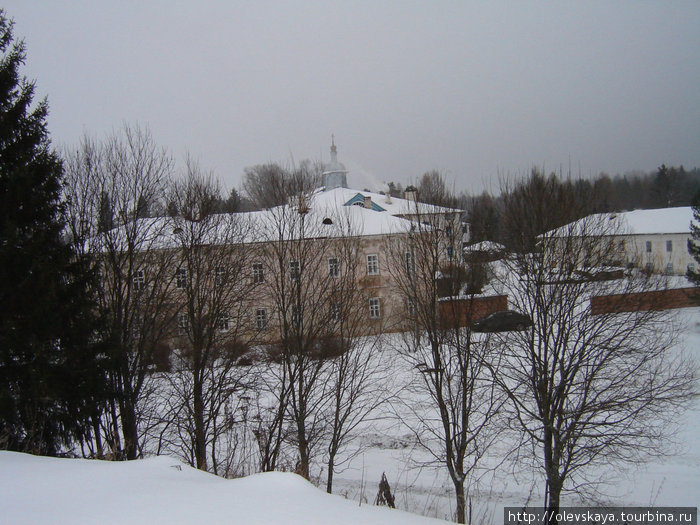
[666,187]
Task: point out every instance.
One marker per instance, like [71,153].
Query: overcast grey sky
[474,89]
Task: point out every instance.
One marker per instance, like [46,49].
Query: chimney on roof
[411,193]
[368,202]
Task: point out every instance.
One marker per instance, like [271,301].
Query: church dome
[335,174]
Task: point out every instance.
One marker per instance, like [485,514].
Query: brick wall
[657,300]
[466,311]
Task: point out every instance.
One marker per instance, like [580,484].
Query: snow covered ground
[161,490]
[673,480]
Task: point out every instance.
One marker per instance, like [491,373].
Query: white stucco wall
[659,256]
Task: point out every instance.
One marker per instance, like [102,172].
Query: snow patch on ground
[162,490]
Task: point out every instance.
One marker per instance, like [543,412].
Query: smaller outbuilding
[653,240]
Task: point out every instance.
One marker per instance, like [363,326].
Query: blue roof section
[359,198]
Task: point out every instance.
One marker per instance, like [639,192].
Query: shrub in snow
[384,495]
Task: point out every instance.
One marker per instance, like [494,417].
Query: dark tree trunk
[553,501]
[329,481]
[554,481]
[461,502]
[129,429]
[113,439]
[200,446]
[303,467]
[98,437]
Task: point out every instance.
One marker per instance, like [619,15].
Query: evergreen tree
[233,203]
[105,219]
[694,243]
[49,371]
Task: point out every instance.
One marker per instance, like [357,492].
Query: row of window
[181,277]
[139,280]
[333,268]
[669,246]
[138,277]
[649,267]
[261,317]
[181,274]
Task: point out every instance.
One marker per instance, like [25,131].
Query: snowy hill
[162,490]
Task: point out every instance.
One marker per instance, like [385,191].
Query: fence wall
[657,300]
[466,311]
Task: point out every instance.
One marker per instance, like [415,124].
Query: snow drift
[163,490]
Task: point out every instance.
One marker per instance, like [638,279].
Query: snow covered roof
[393,205]
[664,220]
[325,220]
[318,220]
[637,222]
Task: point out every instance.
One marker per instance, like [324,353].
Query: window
[222,323]
[448,231]
[691,268]
[648,246]
[411,307]
[137,325]
[296,316]
[261,318]
[375,311]
[649,267]
[294,270]
[183,323]
[333,267]
[669,246]
[335,311]
[138,279]
[410,260]
[669,268]
[181,278]
[621,246]
[219,275]
[450,252]
[258,273]
[372,264]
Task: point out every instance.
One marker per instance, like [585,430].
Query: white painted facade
[655,240]
[659,252]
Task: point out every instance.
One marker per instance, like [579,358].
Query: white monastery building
[655,240]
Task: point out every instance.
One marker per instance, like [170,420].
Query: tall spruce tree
[49,370]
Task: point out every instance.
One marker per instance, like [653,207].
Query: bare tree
[268,420]
[538,205]
[357,376]
[270,185]
[586,389]
[484,218]
[460,424]
[262,184]
[298,286]
[432,189]
[112,184]
[311,256]
[213,287]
